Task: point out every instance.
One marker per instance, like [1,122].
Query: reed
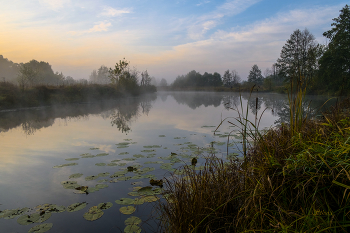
[295,178]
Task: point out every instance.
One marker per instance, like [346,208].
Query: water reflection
[124,112]
[277,104]
[121,112]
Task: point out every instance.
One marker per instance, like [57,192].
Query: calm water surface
[34,141]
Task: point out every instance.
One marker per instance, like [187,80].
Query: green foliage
[289,182]
[335,63]
[195,79]
[123,77]
[255,76]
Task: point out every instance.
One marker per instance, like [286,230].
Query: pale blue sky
[168,38]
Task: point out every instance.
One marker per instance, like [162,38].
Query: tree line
[303,61]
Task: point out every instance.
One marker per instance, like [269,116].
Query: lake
[47,152]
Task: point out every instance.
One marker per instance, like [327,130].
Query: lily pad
[87,155]
[101,186]
[132,229]
[75,175]
[43,216]
[76,206]
[105,205]
[93,214]
[129,159]
[150,198]
[123,153]
[161,136]
[116,160]
[112,164]
[150,155]
[149,176]
[127,209]
[41,228]
[10,214]
[145,190]
[127,139]
[94,148]
[177,137]
[124,178]
[70,184]
[133,194]
[125,201]
[122,146]
[137,183]
[100,164]
[136,177]
[139,156]
[65,165]
[72,159]
[133,221]
[104,174]
[122,164]
[148,151]
[102,154]
[88,178]
[56,208]
[28,219]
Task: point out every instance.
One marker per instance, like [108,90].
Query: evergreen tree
[255,76]
[335,62]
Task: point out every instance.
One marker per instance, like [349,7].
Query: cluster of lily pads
[187,153]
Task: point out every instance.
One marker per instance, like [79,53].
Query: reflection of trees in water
[31,126]
[129,110]
[121,112]
[196,99]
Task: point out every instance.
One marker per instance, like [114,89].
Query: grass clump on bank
[293,179]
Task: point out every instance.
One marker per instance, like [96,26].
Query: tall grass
[295,178]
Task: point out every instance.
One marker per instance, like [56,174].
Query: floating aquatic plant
[125,201]
[93,214]
[132,229]
[28,219]
[127,209]
[75,175]
[70,184]
[88,178]
[72,159]
[76,206]
[161,136]
[103,174]
[102,154]
[101,186]
[41,228]
[65,165]
[105,205]
[148,151]
[133,221]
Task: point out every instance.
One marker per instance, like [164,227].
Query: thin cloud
[112,12]
[202,3]
[207,22]
[100,27]
[55,4]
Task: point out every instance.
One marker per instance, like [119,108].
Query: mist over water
[34,141]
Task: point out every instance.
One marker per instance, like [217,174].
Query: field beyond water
[292,179]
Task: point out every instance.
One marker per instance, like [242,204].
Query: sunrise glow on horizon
[168,38]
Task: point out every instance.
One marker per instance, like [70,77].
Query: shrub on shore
[289,182]
[11,96]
